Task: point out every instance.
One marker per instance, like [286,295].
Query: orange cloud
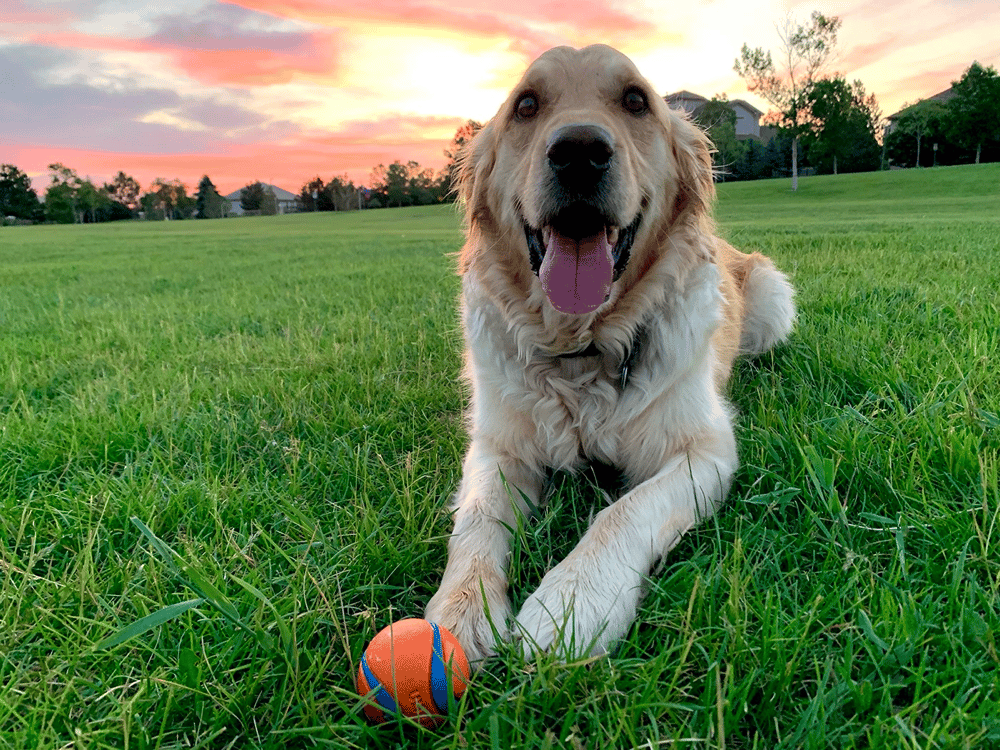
[532,27]
[289,166]
[355,149]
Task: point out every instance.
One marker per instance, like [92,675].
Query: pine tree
[208,201]
[17,197]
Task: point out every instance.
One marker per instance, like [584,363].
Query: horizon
[281,91]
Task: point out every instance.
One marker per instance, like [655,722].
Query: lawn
[276,401]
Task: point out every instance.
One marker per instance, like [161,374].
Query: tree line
[965,128]
[72,199]
[835,126]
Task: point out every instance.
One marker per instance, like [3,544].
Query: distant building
[286,201]
[747,116]
[943,98]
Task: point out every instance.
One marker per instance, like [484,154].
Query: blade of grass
[150,621]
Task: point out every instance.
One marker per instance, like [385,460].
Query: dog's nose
[580,155]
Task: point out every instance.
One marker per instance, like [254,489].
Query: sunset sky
[283,90]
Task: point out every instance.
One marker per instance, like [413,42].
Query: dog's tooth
[546,235]
[613,236]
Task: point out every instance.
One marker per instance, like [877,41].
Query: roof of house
[679,98]
[280,193]
[943,98]
[684,96]
[748,106]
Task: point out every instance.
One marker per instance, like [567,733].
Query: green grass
[276,400]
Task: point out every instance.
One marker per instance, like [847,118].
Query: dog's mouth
[578,255]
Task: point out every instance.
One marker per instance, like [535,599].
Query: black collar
[628,363]
[590,351]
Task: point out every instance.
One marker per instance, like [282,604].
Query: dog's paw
[578,610]
[476,626]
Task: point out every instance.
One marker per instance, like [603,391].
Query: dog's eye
[527,107]
[635,101]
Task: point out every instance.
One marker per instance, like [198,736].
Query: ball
[405,670]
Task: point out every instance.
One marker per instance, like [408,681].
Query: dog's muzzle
[580,247]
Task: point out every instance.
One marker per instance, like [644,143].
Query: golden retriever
[602,316]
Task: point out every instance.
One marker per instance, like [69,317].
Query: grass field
[276,401]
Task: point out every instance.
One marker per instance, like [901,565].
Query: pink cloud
[19,12]
[314,55]
[224,44]
[862,55]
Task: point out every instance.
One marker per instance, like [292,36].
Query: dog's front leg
[485,513]
[588,601]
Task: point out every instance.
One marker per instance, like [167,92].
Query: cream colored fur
[699,302]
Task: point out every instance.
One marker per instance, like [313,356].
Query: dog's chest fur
[564,412]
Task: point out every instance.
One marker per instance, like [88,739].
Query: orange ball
[405,670]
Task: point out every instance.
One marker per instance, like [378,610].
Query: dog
[602,316]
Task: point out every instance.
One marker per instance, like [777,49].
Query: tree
[125,190]
[208,203]
[341,194]
[252,196]
[61,197]
[843,121]
[924,122]
[751,163]
[390,184]
[173,198]
[420,184]
[718,119]
[310,196]
[152,207]
[919,121]
[778,155]
[805,49]
[17,197]
[89,199]
[111,210]
[404,185]
[268,202]
[60,204]
[975,108]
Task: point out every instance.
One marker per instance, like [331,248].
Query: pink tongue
[576,276]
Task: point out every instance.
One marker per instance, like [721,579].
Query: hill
[939,194]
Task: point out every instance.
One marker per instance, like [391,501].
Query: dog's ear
[475,166]
[695,184]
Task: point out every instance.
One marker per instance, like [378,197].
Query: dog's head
[581,174]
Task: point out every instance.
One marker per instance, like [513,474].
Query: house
[286,201]
[943,98]
[747,115]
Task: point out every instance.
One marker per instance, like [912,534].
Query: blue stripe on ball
[382,696]
[439,679]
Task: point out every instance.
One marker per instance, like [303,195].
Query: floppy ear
[473,180]
[695,188]
[474,169]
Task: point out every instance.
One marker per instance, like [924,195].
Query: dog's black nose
[580,155]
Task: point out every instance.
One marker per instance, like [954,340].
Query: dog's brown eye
[527,107]
[635,102]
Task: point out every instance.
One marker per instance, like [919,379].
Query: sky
[284,90]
